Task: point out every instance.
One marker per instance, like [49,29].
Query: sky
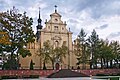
[101,15]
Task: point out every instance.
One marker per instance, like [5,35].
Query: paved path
[66,73]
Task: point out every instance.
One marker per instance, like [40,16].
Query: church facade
[56,32]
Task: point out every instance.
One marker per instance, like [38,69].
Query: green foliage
[18,27]
[93,41]
[100,51]
[49,54]
[24,52]
[44,53]
[9,64]
[81,49]
[115,49]
[60,52]
[114,78]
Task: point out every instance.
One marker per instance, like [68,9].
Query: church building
[56,32]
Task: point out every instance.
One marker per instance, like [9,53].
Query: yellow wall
[52,34]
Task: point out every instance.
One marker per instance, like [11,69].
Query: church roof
[55,14]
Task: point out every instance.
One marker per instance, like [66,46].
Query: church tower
[39,27]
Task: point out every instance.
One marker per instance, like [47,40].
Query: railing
[93,72]
[43,73]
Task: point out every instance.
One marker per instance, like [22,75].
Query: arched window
[56,43]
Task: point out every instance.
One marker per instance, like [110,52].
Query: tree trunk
[104,62]
[117,65]
[101,63]
[53,65]
[96,65]
[91,64]
[107,63]
[11,60]
[111,64]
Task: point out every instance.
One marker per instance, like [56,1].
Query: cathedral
[56,32]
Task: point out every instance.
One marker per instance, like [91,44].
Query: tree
[7,65]
[52,56]
[44,53]
[18,27]
[105,53]
[48,53]
[94,44]
[81,48]
[116,52]
[77,48]
[4,41]
[4,38]
[60,53]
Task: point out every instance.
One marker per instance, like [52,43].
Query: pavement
[66,73]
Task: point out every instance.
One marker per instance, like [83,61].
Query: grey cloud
[88,4]
[3,4]
[112,35]
[98,7]
[73,21]
[106,8]
[102,26]
[73,29]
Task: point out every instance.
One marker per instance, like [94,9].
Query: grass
[114,78]
[108,76]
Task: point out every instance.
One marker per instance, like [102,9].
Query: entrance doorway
[57,66]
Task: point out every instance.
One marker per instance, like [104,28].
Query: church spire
[39,26]
[39,19]
[55,9]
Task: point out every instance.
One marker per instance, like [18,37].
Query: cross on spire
[55,8]
[39,12]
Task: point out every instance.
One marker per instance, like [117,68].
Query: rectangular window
[56,28]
